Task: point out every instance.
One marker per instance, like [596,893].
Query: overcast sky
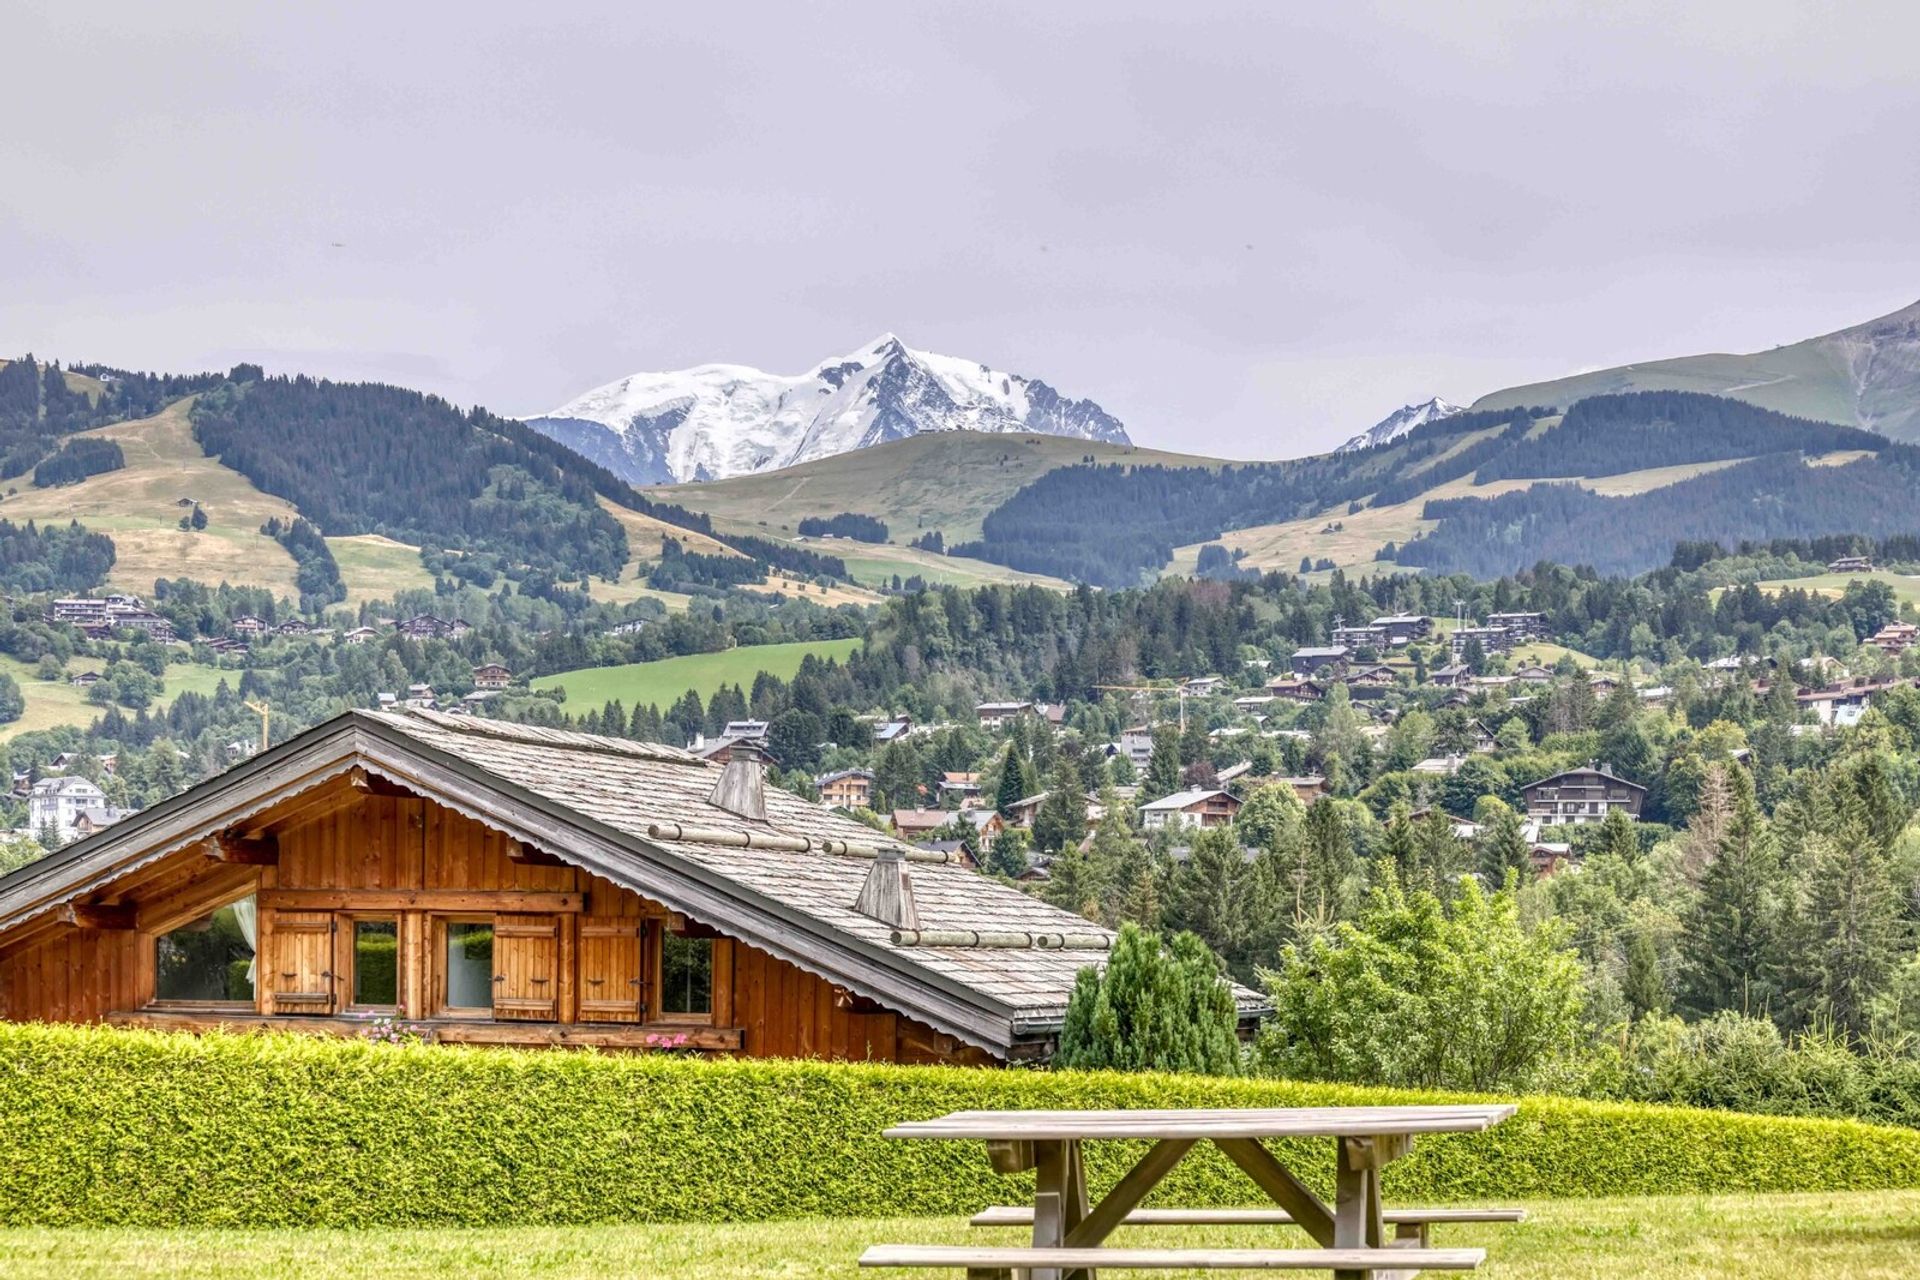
[1245,230]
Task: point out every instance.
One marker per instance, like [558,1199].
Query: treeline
[1775,497]
[847,524]
[77,460]
[59,558]
[318,575]
[1611,435]
[37,408]
[679,568]
[1466,461]
[364,458]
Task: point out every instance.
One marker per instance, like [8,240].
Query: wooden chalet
[1580,796]
[848,788]
[504,884]
[491,675]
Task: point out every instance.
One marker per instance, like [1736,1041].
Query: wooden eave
[276,778]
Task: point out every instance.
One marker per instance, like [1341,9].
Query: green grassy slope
[946,480]
[1867,375]
[639,683]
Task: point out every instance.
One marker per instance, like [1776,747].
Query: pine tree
[1152,1008]
[1328,862]
[1644,986]
[1503,846]
[1208,895]
[1730,947]
[1072,884]
[1014,785]
[1163,767]
[1618,837]
[1396,845]
[1061,822]
[1853,917]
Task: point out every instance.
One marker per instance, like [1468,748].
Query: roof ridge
[540,735]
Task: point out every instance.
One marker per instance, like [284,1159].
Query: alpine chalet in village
[493,883]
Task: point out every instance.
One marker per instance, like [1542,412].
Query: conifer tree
[1163,767]
[1061,822]
[1152,1008]
[1853,920]
[1397,846]
[1644,986]
[1730,947]
[1503,846]
[1014,784]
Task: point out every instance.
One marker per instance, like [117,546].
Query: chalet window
[209,959]
[376,963]
[468,971]
[686,975]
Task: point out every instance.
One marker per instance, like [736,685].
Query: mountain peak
[1400,422]
[719,420]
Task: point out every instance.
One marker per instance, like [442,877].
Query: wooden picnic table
[1366,1140]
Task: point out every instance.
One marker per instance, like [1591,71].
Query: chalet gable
[639,816]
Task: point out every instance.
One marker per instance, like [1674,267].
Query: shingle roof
[595,801]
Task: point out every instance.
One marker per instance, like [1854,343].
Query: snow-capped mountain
[722,420]
[1399,422]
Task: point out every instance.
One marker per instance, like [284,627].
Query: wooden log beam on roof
[93,915]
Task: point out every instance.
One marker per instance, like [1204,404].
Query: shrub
[104,1127]
[1152,1008]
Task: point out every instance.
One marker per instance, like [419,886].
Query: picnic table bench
[1069,1231]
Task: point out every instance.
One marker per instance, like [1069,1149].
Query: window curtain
[246,914]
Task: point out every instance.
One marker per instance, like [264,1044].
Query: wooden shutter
[300,964]
[526,965]
[613,984]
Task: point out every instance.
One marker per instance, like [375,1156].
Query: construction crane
[1180,689]
[260,709]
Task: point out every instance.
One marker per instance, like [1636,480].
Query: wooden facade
[576,959]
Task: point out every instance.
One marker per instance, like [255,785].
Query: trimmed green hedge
[111,1127]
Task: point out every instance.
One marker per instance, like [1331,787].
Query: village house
[502,884]
[293,627]
[847,788]
[491,675]
[1136,744]
[1404,628]
[1442,766]
[1492,640]
[419,696]
[1307,787]
[723,749]
[993,715]
[1521,626]
[957,788]
[1843,704]
[1296,689]
[426,626]
[84,679]
[1481,738]
[1533,675]
[1895,637]
[1201,686]
[1363,637]
[1196,808]
[55,804]
[1370,682]
[1455,675]
[248,625]
[892,729]
[1851,564]
[1021,812]
[360,635]
[1313,658]
[1580,796]
[1254,704]
[229,645]
[918,824]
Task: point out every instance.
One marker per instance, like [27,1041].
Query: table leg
[1052,1191]
[1358,1217]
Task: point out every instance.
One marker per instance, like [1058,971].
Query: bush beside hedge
[112,1127]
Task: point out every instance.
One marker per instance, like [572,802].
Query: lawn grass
[1840,1236]
[376,568]
[51,703]
[1906,588]
[638,683]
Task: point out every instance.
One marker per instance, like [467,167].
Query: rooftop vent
[742,789]
[887,893]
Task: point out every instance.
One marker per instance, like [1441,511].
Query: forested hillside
[1112,525]
[1774,497]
